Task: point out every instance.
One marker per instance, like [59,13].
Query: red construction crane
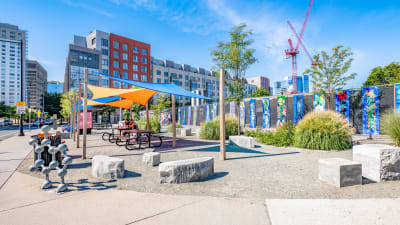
[294,51]
[314,63]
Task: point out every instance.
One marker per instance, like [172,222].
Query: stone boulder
[185,132]
[379,162]
[242,141]
[188,170]
[339,172]
[107,167]
[151,158]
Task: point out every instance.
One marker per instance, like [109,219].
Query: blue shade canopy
[99,100]
[168,88]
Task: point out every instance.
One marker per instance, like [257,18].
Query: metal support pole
[73,114]
[85,95]
[222,114]
[173,122]
[21,124]
[78,116]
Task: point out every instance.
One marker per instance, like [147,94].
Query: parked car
[8,122]
[48,122]
[2,124]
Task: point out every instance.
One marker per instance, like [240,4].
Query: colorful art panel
[298,108]
[281,110]
[319,102]
[189,116]
[242,114]
[232,109]
[215,111]
[343,103]
[179,115]
[370,103]
[397,98]
[208,113]
[253,114]
[266,113]
[195,115]
[183,115]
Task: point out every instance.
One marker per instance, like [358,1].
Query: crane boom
[305,22]
[299,41]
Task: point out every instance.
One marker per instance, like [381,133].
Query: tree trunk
[239,121]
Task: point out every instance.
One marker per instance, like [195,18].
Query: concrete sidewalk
[22,202]
[12,152]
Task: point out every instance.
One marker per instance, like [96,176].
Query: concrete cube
[242,141]
[340,172]
[188,170]
[107,167]
[151,158]
[379,162]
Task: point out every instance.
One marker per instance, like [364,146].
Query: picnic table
[137,134]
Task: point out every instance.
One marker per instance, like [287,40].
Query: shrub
[324,131]
[210,130]
[282,137]
[177,126]
[155,125]
[391,126]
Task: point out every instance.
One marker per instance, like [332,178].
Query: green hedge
[323,131]
[155,125]
[282,137]
[177,126]
[210,130]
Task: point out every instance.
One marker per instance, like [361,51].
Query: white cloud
[88,7]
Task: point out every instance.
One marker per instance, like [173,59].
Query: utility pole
[73,126]
[85,94]
[173,121]
[21,124]
[222,114]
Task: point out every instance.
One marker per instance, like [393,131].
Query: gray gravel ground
[259,173]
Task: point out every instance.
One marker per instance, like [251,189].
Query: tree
[331,70]
[53,103]
[3,109]
[66,104]
[260,92]
[163,101]
[235,56]
[389,74]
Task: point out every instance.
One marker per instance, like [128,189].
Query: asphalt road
[9,131]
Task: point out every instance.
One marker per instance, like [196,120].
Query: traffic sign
[21,103]
[38,113]
[21,109]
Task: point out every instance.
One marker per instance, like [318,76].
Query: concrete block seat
[242,141]
[379,162]
[107,167]
[151,158]
[188,170]
[184,131]
[340,172]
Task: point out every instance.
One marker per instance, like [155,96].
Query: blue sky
[186,31]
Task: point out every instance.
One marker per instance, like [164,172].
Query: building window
[116,84]
[93,41]
[104,43]
[143,51]
[125,85]
[116,64]
[165,81]
[158,80]
[125,75]
[125,47]
[104,72]
[125,66]
[135,58]
[104,62]
[143,77]
[104,51]
[104,83]
[143,60]
[135,49]
[125,56]
[135,76]
[158,72]
[166,74]
[143,69]
[116,54]
[116,44]
[135,67]
[116,74]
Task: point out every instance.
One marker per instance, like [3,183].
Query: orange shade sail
[141,96]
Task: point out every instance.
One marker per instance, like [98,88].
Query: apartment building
[286,85]
[194,79]
[10,64]
[36,85]
[260,82]
[119,56]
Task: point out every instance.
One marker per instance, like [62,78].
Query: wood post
[73,126]
[173,121]
[147,116]
[85,95]
[78,116]
[222,114]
